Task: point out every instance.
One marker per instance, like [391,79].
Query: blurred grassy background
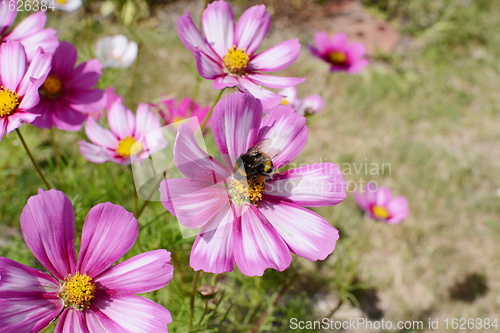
[430,110]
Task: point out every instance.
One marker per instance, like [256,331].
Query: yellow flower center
[77,291]
[380,212]
[62,2]
[236,61]
[240,193]
[284,101]
[9,101]
[337,57]
[52,87]
[128,147]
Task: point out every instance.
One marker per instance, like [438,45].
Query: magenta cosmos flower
[19,84]
[307,106]
[338,53]
[380,205]
[172,112]
[31,32]
[67,94]
[138,136]
[255,223]
[227,54]
[93,295]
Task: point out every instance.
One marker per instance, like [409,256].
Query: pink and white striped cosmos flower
[307,106]
[380,205]
[68,93]
[227,54]
[31,31]
[130,136]
[255,225]
[338,53]
[92,295]
[19,84]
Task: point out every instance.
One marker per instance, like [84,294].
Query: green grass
[431,111]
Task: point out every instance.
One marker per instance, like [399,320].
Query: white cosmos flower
[68,5]
[116,51]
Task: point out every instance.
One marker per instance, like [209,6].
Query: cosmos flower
[340,55]
[116,51]
[172,112]
[138,136]
[227,54]
[68,5]
[93,295]
[253,222]
[309,105]
[19,84]
[31,31]
[67,93]
[380,205]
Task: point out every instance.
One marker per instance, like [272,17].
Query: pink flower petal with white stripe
[306,233]
[235,123]
[194,203]
[257,245]
[277,57]
[28,298]
[314,185]
[213,249]
[288,131]
[121,121]
[141,274]
[129,314]
[218,26]
[71,321]
[48,226]
[108,233]
[195,163]
[252,27]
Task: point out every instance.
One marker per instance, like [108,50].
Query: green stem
[134,75]
[33,159]
[54,146]
[136,197]
[194,96]
[211,110]
[191,303]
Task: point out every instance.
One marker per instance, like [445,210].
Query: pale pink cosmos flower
[130,136]
[93,295]
[338,53]
[379,204]
[254,224]
[19,84]
[172,112]
[68,94]
[307,106]
[31,31]
[226,54]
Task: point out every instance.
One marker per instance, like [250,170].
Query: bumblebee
[256,165]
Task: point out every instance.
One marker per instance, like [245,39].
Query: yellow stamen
[236,61]
[77,291]
[284,101]
[61,2]
[337,57]
[240,193]
[52,87]
[380,212]
[9,101]
[128,147]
